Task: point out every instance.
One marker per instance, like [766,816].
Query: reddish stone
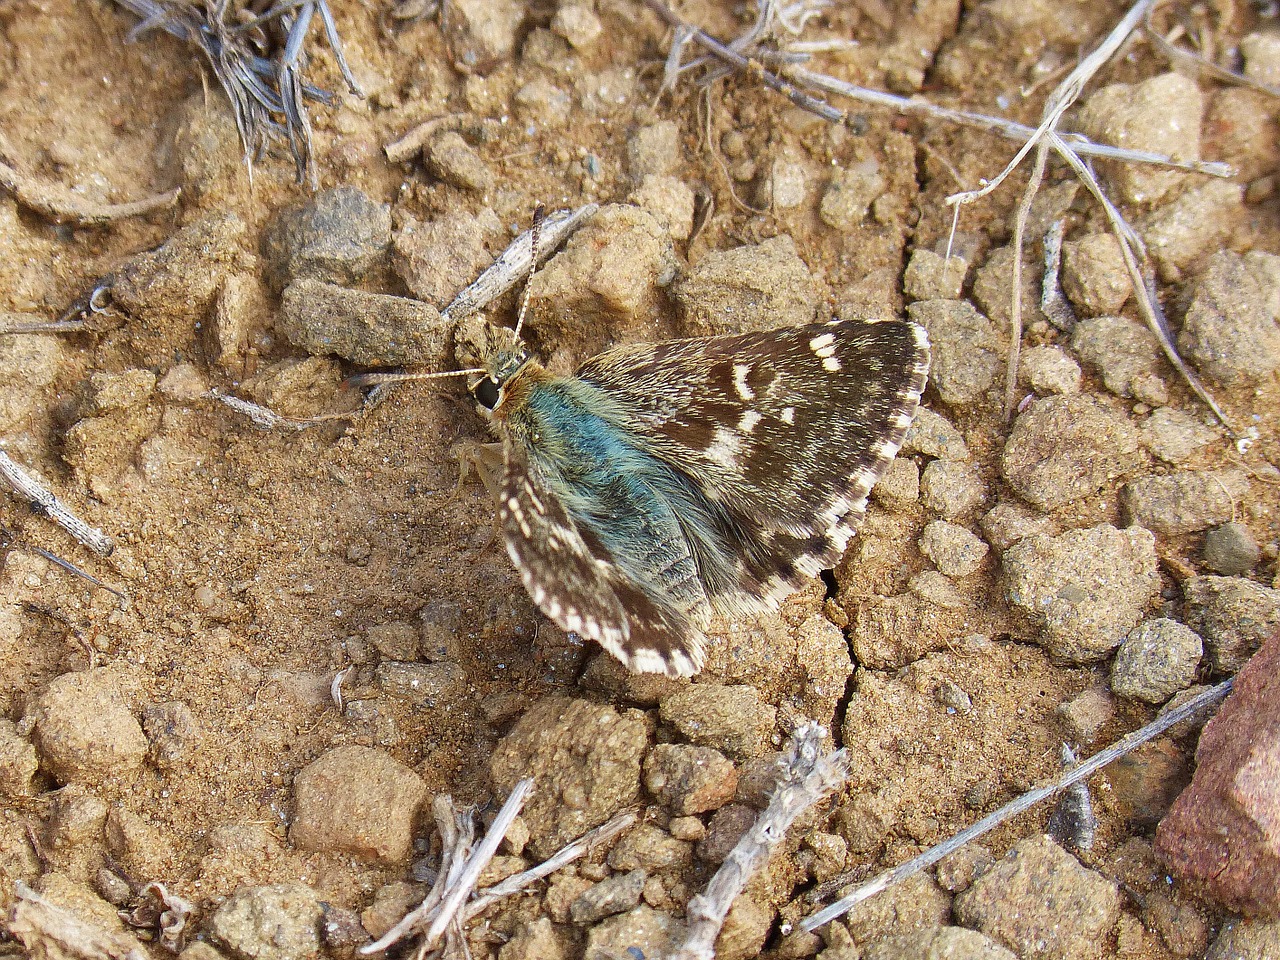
[1223,834]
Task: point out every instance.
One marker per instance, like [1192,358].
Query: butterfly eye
[486,393]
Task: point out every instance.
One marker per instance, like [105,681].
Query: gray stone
[338,235]
[1065,448]
[371,329]
[951,490]
[967,355]
[670,201]
[931,276]
[937,943]
[1261,52]
[1094,276]
[1039,901]
[953,550]
[1157,659]
[1175,436]
[533,941]
[641,932]
[1086,588]
[1122,351]
[1230,329]
[729,718]
[1009,521]
[756,287]
[542,103]
[1184,502]
[933,435]
[993,281]
[1047,370]
[615,895]
[280,922]
[899,485]
[1247,940]
[1161,114]
[785,186]
[1233,615]
[1231,550]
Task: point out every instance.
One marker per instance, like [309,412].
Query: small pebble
[951,489]
[1009,521]
[933,435]
[1094,276]
[617,894]
[1184,502]
[1048,370]
[1157,659]
[654,150]
[1161,114]
[338,236]
[899,485]
[578,24]
[1231,550]
[848,195]
[279,922]
[931,276]
[954,550]
[1120,350]
[730,718]
[357,800]
[1230,329]
[1175,436]
[967,355]
[1086,588]
[689,779]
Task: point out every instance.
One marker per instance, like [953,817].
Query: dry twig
[1134,252]
[49,932]
[62,206]
[809,775]
[1012,809]
[259,60]
[30,489]
[516,261]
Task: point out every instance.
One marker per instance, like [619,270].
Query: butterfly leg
[486,461]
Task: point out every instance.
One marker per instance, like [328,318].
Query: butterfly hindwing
[575,582]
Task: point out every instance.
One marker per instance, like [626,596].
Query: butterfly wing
[575,582]
[786,431]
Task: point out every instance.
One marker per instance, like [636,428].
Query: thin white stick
[1064,95]
[999,125]
[1013,808]
[810,775]
[569,853]
[457,875]
[27,487]
[515,261]
[480,859]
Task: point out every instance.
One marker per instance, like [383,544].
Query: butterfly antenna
[539,215]
[374,379]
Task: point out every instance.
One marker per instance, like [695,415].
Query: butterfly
[667,482]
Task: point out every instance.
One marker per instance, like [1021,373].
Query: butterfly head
[501,368]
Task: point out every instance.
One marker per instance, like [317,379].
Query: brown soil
[256,563]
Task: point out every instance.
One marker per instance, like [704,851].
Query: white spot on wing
[740,373]
[749,420]
[831,365]
[823,344]
[724,448]
[788,414]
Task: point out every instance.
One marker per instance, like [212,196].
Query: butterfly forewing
[787,429]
